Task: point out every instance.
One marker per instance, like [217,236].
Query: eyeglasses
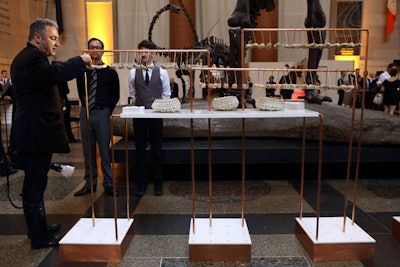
[95,48]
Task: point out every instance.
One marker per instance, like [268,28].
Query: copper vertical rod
[127,171]
[113,177]
[210,186]
[358,150]
[303,146]
[319,173]
[208,81]
[243,99]
[191,90]
[243,168]
[89,152]
[346,194]
[243,53]
[192,169]
[361,128]
[353,215]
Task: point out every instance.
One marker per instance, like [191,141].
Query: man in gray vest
[145,85]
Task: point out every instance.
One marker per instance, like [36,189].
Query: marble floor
[161,224]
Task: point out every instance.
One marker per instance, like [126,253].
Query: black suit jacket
[38,125]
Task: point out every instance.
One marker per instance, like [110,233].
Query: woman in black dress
[390,88]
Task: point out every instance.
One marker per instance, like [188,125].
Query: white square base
[226,240]
[334,244]
[98,243]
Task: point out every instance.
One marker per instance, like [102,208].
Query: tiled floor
[161,224]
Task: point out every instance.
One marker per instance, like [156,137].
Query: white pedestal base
[396,226]
[98,243]
[333,244]
[226,240]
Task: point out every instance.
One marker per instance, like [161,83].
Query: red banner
[391,15]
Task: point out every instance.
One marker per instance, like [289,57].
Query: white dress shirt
[166,88]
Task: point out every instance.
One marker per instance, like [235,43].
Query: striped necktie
[92,89]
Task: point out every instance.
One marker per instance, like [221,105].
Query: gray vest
[145,94]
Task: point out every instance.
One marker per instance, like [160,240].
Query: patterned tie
[92,89]
[147,77]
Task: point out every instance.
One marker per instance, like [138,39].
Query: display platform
[98,243]
[215,114]
[226,240]
[333,244]
[396,226]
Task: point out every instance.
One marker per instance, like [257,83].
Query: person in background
[102,85]
[270,91]
[374,89]
[7,99]
[5,82]
[38,128]
[145,85]
[341,81]
[390,89]
[174,88]
[385,75]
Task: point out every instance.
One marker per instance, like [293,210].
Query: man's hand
[87,59]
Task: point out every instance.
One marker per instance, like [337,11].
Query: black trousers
[149,130]
[36,168]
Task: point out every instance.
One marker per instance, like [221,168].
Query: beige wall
[382,49]
[15,17]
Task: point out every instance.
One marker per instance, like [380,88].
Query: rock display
[379,128]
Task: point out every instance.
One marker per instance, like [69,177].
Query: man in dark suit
[38,129]
[145,85]
[103,95]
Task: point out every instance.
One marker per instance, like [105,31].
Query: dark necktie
[147,77]
[92,89]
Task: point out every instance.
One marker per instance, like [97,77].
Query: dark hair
[2,71]
[391,65]
[146,44]
[95,39]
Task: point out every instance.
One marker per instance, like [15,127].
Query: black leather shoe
[12,171]
[158,192]
[51,229]
[85,190]
[109,191]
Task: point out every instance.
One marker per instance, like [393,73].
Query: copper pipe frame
[113,177]
[89,152]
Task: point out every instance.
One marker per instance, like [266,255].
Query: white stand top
[224,231]
[103,233]
[214,114]
[331,231]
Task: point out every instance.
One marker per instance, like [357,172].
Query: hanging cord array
[343,38]
[165,58]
